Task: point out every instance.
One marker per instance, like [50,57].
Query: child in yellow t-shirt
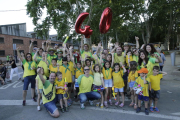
[155,87]
[133,75]
[129,57]
[61,91]
[39,86]
[118,83]
[53,67]
[66,71]
[143,82]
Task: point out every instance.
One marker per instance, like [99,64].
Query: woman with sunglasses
[14,68]
[29,75]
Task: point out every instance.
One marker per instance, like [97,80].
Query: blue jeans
[89,96]
[29,79]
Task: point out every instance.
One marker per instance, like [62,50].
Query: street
[11,103]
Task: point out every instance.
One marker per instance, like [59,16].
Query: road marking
[7,85]
[17,102]
[18,73]
[16,85]
[177,113]
[131,112]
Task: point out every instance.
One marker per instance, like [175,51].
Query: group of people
[104,75]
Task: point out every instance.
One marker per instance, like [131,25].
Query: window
[53,44]
[34,43]
[1,40]
[17,41]
[2,52]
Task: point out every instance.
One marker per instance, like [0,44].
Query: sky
[14,17]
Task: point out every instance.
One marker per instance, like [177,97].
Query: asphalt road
[11,105]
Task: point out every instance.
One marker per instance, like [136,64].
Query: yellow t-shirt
[83,54]
[40,84]
[79,72]
[118,59]
[145,90]
[66,72]
[85,83]
[135,58]
[96,61]
[60,83]
[149,66]
[27,68]
[131,59]
[59,62]
[45,67]
[118,80]
[97,78]
[72,67]
[155,81]
[132,77]
[149,56]
[107,73]
[48,88]
[53,69]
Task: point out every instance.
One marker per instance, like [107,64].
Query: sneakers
[156,109]
[97,104]
[105,104]
[146,111]
[117,103]
[66,109]
[151,109]
[24,102]
[110,102]
[91,102]
[82,106]
[62,110]
[101,106]
[138,110]
[38,108]
[34,99]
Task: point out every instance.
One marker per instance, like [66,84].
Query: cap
[126,44]
[51,49]
[143,70]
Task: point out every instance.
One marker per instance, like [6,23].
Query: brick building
[16,34]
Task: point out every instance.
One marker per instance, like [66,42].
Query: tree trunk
[117,40]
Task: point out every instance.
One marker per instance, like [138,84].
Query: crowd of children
[115,72]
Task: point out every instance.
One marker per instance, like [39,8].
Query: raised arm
[40,75]
[35,55]
[92,66]
[18,53]
[64,48]
[164,73]
[158,58]
[70,50]
[123,67]
[31,46]
[116,45]
[101,61]
[43,47]
[112,63]
[137,42]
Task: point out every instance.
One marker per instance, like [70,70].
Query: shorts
[51,106]
[119,90]
[141,97]
[73,78]
[27,80]
[108,83]
[98,88]
[40,91]
[154,94]
[131,84]
[61,96]
[69,84]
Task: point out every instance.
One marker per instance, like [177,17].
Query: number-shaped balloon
[105,21]
[86,31]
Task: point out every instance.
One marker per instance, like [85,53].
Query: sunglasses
[28,57]
[34,48]
[86,69]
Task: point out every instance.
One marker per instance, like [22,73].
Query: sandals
[105,104]
[117,103]
[131,104]
[121,105]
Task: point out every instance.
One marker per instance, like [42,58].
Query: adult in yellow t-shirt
[85,51]
[49,93]
[29,75]
[85,82]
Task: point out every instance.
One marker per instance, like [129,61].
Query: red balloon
[87,30]
[105,22]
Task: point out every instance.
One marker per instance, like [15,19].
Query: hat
[51,49]
[59,50]
[143,70]
[126,44]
